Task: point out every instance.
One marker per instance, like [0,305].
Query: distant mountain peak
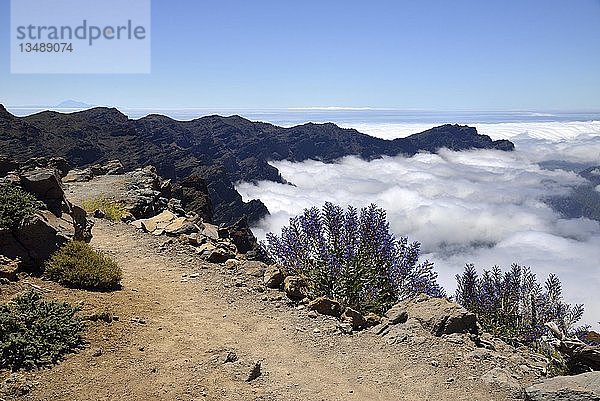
[73,104]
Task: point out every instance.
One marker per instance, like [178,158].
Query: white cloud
[483,207]
[551,131]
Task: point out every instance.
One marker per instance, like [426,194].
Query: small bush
[77,265]
[513,305]
[113,210]
[15,205]
[36,333]
[352,257]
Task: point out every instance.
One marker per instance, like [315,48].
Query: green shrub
[112,209]
[15,205]
[36,333]
[77,265]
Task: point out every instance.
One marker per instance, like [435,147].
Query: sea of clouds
[480,206]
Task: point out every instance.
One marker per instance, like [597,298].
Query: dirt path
[178,317]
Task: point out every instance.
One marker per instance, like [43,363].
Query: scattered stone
[99,214]
[103,316]
[312,314]
[273,277]
[355,318]
[255,372]
[326,306]
[345,328]
[372,319]
[98,353]
[230,357]
[583,387]
[397,314]
[15,386]
[217,255]
[295,287]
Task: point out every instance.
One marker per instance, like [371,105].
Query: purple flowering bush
[513,305]
[352,257]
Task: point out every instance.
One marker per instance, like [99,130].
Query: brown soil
[179,316]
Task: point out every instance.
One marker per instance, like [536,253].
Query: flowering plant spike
[351,256]
[513,305]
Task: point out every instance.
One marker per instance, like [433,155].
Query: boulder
[36,239]
[583,387]
[46,185]
[254,268]
[59,164]
[160,221]
[114,167]
[295,287]
[181,225]
[217,255]
[241,236]
[78,175]
[81,225]
[397,314]
[211,231]
[273,277]
[355,318]
[144,193]
[326,306]
[438,315]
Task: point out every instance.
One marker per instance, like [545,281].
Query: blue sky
[433,55]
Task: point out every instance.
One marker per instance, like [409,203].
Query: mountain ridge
[222,149]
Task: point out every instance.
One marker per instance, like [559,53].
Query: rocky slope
[185,328]
[220,150]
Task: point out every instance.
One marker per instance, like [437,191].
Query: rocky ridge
[219,150]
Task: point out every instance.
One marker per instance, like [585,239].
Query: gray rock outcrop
[583,387]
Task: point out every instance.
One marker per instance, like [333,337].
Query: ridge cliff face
[222,150]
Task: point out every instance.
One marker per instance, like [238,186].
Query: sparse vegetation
[112,209]
[15,205]
[77,265]
[513,305]
[352,257]
[36,333]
